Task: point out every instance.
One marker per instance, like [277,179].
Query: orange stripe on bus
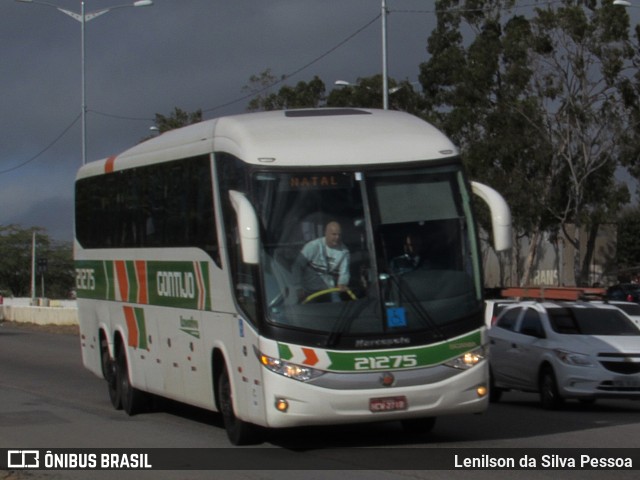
[132,326]
[109,164]
[123,280]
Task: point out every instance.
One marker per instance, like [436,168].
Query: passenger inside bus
[413,257]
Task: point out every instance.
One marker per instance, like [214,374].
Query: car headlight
[573,358]
[468,360]
[290,370]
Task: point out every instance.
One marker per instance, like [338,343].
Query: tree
[580,57]
[367,93]
[628,247]
[303,95]
[537,104]
[16,261]
[477,92]
[177,119]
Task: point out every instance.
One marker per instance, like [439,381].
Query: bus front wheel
[238,431]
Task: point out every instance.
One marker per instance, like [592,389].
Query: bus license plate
[388,404]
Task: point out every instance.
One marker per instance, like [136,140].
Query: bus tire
[417,426]
[110,373]
[133,400]
[238,431]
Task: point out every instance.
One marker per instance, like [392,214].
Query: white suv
[565,350]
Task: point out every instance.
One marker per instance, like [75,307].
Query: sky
[189,54]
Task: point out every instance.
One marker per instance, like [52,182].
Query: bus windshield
[386,252]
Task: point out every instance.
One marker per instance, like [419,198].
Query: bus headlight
[468,360]
[290,370]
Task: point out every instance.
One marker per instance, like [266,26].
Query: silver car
[564,350]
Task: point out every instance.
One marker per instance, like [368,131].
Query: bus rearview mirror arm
[247,227]
[500,215]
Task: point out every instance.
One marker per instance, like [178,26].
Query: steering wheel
[328,291]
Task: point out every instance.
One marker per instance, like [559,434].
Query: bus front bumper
[291,403]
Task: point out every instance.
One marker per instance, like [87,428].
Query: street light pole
[83,87]
[385,73]
[83,17]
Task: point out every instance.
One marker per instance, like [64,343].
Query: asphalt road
[48,400]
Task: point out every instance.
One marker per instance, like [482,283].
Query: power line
[295,72]
[44,149]
[120,117]
[277,82]
[239,99]
[328,52]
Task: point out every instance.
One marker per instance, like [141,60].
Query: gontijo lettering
[176,284]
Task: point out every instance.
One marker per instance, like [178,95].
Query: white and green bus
[191,266]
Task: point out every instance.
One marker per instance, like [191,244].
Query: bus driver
[323,263]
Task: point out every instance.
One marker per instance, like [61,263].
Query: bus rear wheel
[110,373]
[133,400]
[238,431]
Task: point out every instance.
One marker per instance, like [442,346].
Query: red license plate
[388,404]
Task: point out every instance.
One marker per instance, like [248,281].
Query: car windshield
[591,321]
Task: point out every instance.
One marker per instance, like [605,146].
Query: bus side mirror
[500,215]
[247,227]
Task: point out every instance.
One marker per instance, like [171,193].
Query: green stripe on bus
[133,281]
[142,328]
[426,356]
[170,284]
[381,360]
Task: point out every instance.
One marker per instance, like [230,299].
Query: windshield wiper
[347,315]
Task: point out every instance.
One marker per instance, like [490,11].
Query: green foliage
[538,105]
[16,260]
[628,248]
[367,93]
[304,95]
[177,119]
